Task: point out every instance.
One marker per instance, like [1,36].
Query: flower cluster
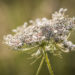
[54,32]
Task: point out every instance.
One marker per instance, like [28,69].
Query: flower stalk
[45,57]
[40,66]
[48,62]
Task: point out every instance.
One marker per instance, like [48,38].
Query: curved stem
[28,49]
[40,66]
[61,48]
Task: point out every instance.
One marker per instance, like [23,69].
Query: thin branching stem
[40,66]
[36,59]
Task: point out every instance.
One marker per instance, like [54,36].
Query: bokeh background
[14,13]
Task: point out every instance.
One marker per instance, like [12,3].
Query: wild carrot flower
[44,35]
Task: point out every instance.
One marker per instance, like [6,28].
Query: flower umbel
[44,35]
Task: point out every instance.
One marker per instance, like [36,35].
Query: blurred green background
[14,13]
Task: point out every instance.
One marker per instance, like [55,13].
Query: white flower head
[52,30]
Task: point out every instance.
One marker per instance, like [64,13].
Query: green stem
[40,66]
[48,63]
